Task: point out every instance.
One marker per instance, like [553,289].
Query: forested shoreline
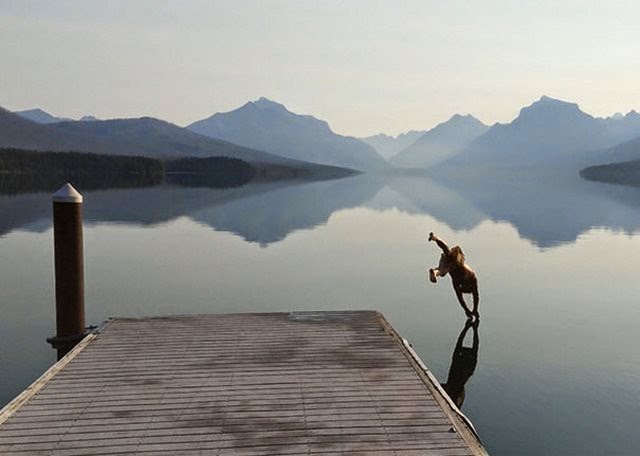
[24,171]
[213,172]
[625,173]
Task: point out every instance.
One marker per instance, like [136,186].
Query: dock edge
[462,424]
[41,382]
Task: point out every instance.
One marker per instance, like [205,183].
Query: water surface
[556,372]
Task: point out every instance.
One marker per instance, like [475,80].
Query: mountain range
[270,126]
[42,117]
[145,136]
[388,146]
[440,143]
[623,127]
[548,132]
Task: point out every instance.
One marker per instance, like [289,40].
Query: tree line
[30,171]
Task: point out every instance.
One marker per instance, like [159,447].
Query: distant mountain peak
[548,101]
[457,121]
[43,117]
[266,125]
[265,103]
[548,109]
[39,116]
[381,136]
[389,145]
[35,111]
[441,142]
[463,118]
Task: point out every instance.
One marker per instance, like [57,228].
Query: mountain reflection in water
[546,208]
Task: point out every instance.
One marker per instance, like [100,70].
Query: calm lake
[557,369]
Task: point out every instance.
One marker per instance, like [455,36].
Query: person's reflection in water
[463,363]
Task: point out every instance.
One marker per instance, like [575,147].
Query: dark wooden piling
[298,383]
[69,269]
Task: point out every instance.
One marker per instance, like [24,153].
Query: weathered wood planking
[242,384]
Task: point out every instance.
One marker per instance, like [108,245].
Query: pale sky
[365,66]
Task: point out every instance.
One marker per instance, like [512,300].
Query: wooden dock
[243,384]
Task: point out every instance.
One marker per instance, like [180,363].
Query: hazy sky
[364,66]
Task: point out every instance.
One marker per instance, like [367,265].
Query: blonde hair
[456,256]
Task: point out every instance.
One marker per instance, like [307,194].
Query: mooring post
[69,269]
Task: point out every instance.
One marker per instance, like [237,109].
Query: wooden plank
[13,406]
[240,384]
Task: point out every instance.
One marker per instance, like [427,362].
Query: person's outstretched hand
[431,236]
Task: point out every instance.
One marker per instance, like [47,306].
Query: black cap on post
[69,269]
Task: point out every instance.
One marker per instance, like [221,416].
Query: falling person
[463,278]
